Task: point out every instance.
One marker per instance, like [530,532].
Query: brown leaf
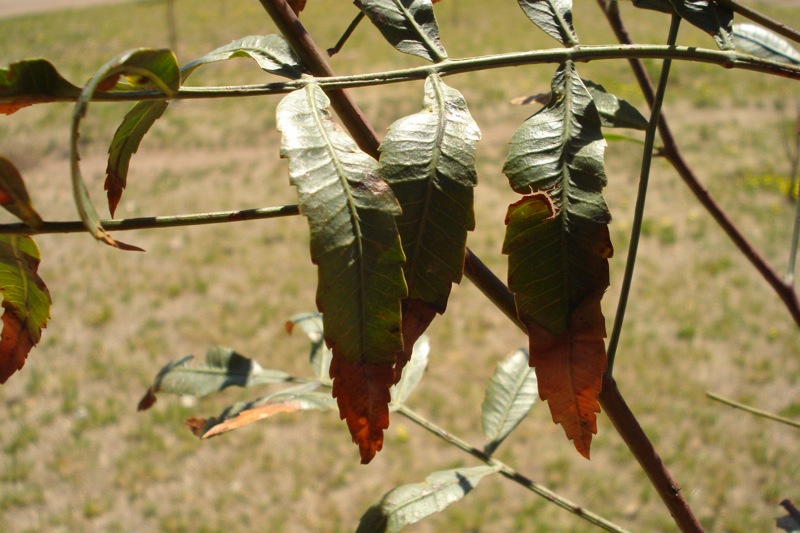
[196,425]
[147,400]
[417,316]
[15,344]
[11,107]
[362,392]
[249,416]
[569,367]
[297,5]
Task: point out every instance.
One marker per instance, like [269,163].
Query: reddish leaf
[297,6]
[196,425]
[417,316]
[362,391]
[147,400]
[15,345]
[569,368]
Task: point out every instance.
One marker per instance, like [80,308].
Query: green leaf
[26,301]
[409,25]
[709,16]
[354,240]
[761,42]
[14,195]
[412,372]
[32,81]
[429,161]
[320,357]
[558,247]
[511,393]
[615,113]
[291,400]
[554,17]
[158,68]
[223,368]
[271,52]
[409,504]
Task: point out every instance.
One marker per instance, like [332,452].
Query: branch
[610,398]
[508,471]
[754,411]
[725,59]
[194,219]
[672,153]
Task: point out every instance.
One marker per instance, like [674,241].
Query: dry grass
[77,457]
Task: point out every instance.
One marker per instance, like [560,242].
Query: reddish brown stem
[672,153]
[610,398]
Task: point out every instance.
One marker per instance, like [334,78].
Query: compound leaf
[554,17]
[511,393]
[408,504]
[558,247]
[765,44]
[409,25]
[26,302]
[32,81]
[355,243]
[222,368]
[14,195]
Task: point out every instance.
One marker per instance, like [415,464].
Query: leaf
[554,17]
[26,302]
[709,16]
[320,357]
[615,113]
[413,372]
[302,398]
[760,42]
[32,81]
[223,368]
[354,242]
[14,195]
[409,25]
[159,68]
[511,393]
[411,503]
[272,53]
[297,5]
[428,159]
[664,6]
[558,247]
[362,392]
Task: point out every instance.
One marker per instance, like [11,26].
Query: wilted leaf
[289,401]
[26,302]
[33,81]
[554,17]
[297,5]
[14,195]
[409,504]
[413,372]
[362,392]
[511,393]
[428,159]
[222,368]
[761,42]
[615,113]
[709,16]
[320,357]
[558,247]
[272,53]
[409,25]
[158,68]
[354,241]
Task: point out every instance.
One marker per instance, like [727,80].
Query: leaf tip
[147,400]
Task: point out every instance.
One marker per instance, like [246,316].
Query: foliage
[388,229]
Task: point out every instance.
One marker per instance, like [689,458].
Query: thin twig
[346,35]
[672,153]
[611,399]
[774,25]
[194,219]
[753,410]
[638,212]
[508,471]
